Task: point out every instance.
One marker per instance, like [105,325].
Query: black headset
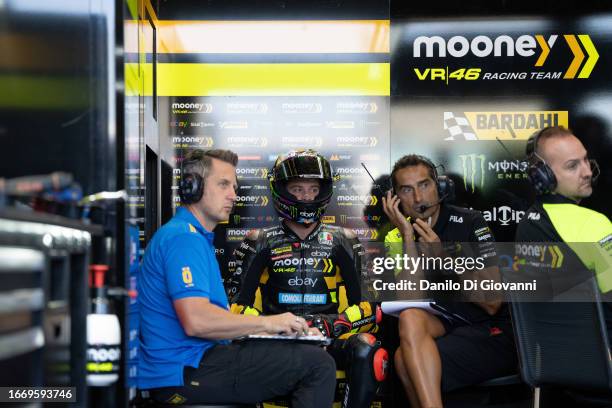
[444,185]
[539,173]
[191,186]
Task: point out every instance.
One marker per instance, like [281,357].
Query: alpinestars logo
[524,46]
[500,125]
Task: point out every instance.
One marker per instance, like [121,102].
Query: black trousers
[254,371]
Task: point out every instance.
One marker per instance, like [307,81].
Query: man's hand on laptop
[286,323]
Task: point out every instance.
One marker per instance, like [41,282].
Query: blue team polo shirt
[179,262]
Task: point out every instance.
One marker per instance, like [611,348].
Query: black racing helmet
[301,164]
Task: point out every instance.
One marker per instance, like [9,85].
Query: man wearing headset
[562,175]
[439,353]
[312,270]
[185,355]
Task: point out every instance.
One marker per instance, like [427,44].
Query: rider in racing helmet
[312,270]
[301,165]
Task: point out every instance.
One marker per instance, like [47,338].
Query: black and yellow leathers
[317,278]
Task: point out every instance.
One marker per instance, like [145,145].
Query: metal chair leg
[536,397]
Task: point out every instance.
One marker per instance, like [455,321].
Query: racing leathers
[317,278]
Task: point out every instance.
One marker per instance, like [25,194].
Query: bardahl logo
[328,219]
[200,141]
[190,107]
[525,46]
[500,125]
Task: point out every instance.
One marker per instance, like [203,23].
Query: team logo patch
[187,277]
[325,238]
[290,298]
[315,298]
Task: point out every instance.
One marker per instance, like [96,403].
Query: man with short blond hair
[186,356]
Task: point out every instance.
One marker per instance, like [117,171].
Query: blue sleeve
[187,267]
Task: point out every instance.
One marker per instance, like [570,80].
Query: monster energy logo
[470,170]
[236,219]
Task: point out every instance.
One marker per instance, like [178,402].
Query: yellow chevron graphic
[374,234]
[593,56]
[264,201]
[559,255]
[373,141]
[328,265]
[209,142]
[545,50]
[578,56]
[373,200]
[554,256]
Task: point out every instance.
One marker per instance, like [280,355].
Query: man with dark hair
[437,353]
[562,175]
[313,270]
[186,356]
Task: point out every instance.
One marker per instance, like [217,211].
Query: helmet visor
[303,166]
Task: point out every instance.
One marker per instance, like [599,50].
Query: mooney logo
[356,107]
[252,173]
[201,141]
[301,141]
[302,108]
[348,172]
[247,141]
[540,252]
[181,107]
[252,201]
[369,200]
[500,125]
[366,233]
[348,141]
[256,108]
[505,46]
